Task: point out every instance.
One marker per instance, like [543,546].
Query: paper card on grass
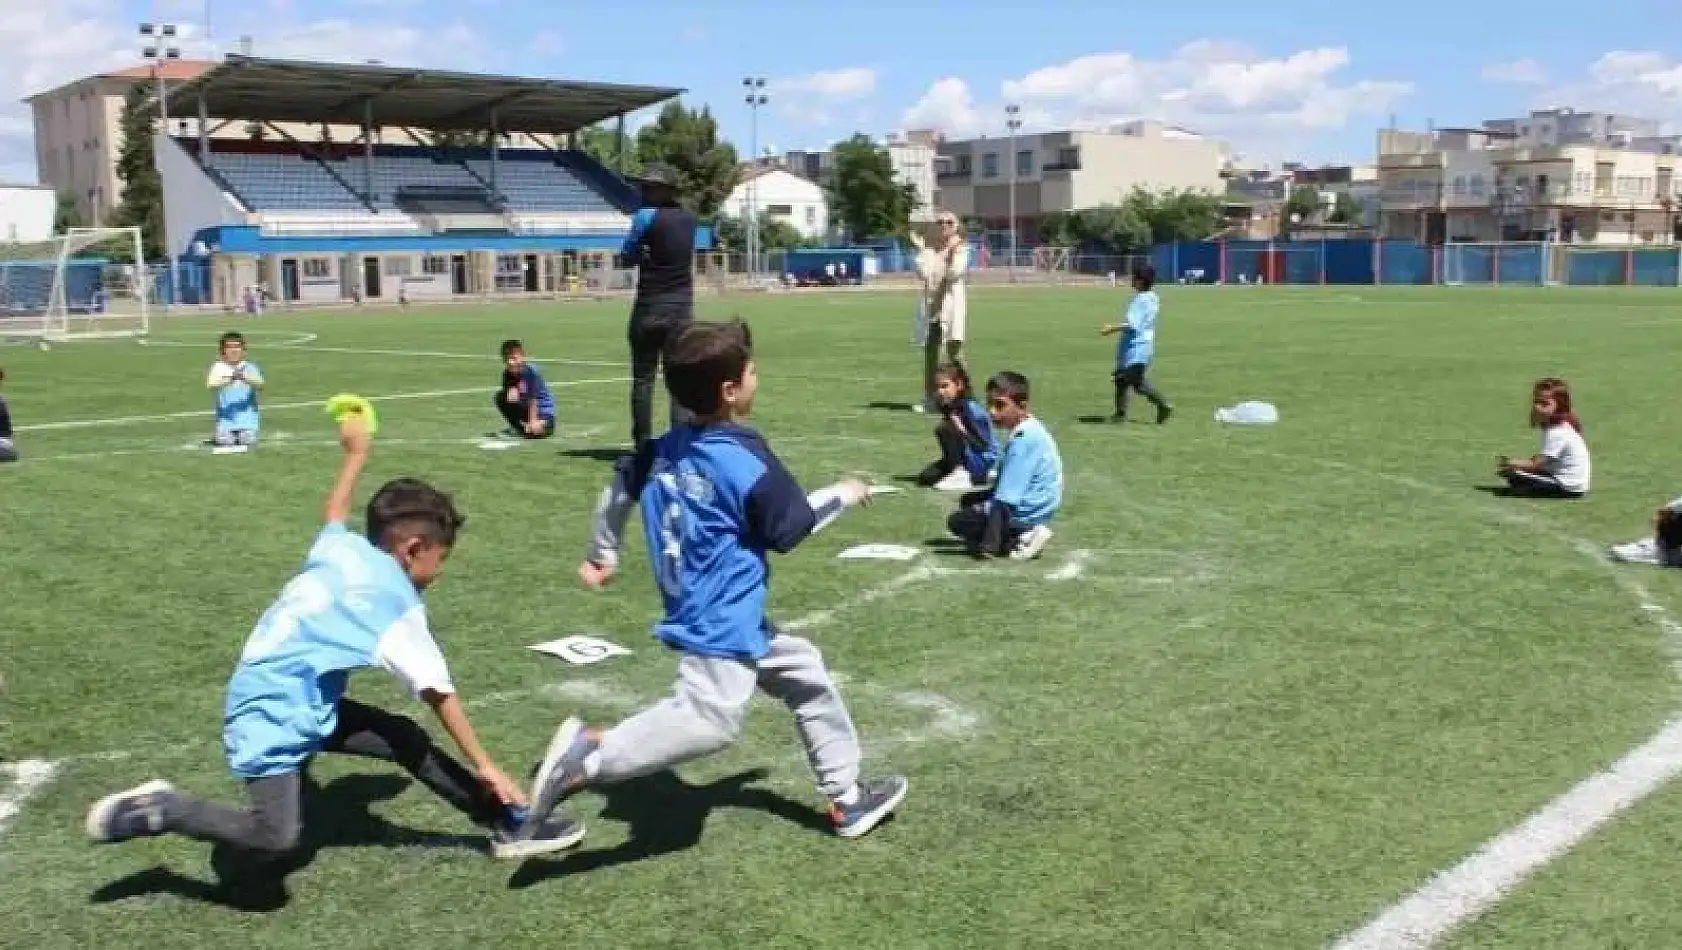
[580,650]
[879,552]
[229,449]
[885,489]
[498,445]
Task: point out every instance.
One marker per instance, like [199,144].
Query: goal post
[88,283]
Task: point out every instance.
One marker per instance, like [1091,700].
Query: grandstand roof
[278,90]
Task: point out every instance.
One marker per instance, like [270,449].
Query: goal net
[85,284]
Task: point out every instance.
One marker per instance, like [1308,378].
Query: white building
[783,195]
[912,155]
[26,213]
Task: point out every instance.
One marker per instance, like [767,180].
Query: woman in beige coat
[943,310]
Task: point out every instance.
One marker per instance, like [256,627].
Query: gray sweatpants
[709,703]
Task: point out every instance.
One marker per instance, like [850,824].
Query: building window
[1025,162]
[316,268]
[433,264]
[399,266]
[811,216]
[990,165]
[780,211]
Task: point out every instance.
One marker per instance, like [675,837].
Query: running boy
[1137,347]
[8,451]
[714,501]
[236,382]
[524,398]
[1014,517]
[357,604]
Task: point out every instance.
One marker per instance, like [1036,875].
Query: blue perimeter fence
[1370,261]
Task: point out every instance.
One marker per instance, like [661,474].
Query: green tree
[775,234]
[862,193]
[1346,209]
[1303,205]
[687,140]
[1116,229]
[601,142]
[1177,215]
[142,204]
[65,214]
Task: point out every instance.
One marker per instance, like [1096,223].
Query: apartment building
[1585,181]
[1054,172]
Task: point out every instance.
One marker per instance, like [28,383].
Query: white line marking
[23,780]
[276,407]
[914,576]
[1482,880]
[1073,566]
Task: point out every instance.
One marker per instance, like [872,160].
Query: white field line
[1463,893]
[287,443]
[19,782]
[889,588]
[1073,566]
[305,342]
[284,406]
[1482,880]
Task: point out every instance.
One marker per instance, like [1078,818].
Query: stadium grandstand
[386,204]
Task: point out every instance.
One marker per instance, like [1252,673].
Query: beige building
[912,154]
[1068,171]
[1496,184]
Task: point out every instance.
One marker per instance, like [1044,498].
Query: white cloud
[814,97]
[392,43]
[1519,72]
[1213,87]
[47,45]
[1644,84]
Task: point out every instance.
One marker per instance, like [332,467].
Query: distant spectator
[943,310]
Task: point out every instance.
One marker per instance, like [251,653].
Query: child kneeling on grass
[1014,517]
[357,604]
[715,501]
[1561,468]
[524,399]
[968,450]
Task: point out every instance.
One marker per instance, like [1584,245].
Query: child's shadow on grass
[890,406]
[607,455]
[667,815]
[334,816]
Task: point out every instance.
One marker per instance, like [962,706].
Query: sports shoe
[136,813]
[563,772]
[877,800]
[1163,412]
[1031,543]
[958,480]
[547,837]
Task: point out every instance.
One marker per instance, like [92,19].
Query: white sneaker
[1031,543]
[958,480]
[1645,551]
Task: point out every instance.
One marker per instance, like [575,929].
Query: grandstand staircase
[221,181]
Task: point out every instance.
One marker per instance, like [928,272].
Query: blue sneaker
[547,837]
[136,813]
[563,771]
[877,800]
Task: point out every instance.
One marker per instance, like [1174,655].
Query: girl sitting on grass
[968,448]
[1561,468]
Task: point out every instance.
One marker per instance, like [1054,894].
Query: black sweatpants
[653,326]
[1537,485]
[987,526]
[1133,377]
[273,824]
[514,413]
[952,447]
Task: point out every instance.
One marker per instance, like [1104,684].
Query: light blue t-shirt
[1031,474]
[1138,335]
[235,403]
[352,607]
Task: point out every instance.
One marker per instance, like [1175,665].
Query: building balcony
[952,176]
[1060,167]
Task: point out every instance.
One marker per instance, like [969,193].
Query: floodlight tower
[756,97]
[160,44]
[1013,122]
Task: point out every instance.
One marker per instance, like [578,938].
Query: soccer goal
[89,283]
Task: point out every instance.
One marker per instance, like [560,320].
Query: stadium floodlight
[161,45]
[89,283]
[756,97]
[1013,122]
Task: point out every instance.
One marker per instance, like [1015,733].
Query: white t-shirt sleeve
[1555,442]
[408,652]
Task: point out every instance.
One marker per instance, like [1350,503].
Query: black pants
[514,413]
[986,526]
[951,443]
[1133,377]
[1669,530]
[273,824]
[1537,485]
[653,326]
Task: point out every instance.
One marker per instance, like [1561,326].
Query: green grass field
[1263,683]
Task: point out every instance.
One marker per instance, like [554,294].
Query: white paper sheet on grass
[879,552]
[581,650]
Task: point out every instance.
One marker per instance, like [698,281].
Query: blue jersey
[532,386]
[981,452]
[1138,334]
[236,401]
[1031,474]
[714,501]
[352,607]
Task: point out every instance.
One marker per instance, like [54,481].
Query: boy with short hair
[237,382]
[714,501]
[524,398]
[1137,347]
[8,450]
[1014,517]
[357,604]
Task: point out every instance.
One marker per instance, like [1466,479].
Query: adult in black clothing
[661,246]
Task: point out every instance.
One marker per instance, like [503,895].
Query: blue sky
[1309,80]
